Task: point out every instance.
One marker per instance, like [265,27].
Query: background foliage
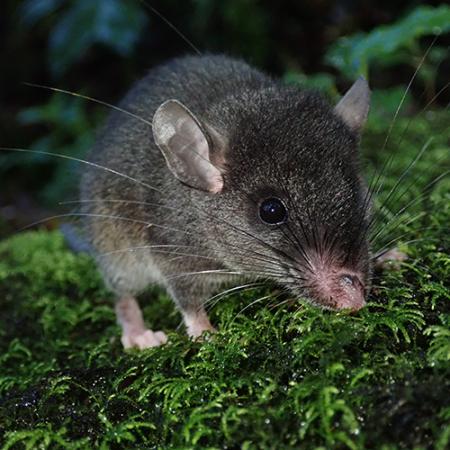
[274,376]
[98,48]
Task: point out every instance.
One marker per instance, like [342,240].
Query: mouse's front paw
[145,339]
[390,259]
[197,323]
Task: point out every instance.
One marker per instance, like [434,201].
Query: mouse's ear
[186,146]
[354,105]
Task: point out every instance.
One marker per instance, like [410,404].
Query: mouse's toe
[161,336]
[145,339]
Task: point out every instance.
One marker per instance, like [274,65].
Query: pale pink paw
[199,334]
[197,324]
[391,259]
[146,339]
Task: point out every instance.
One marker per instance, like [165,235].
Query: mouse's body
[227,173]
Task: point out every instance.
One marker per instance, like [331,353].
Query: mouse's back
[196,81]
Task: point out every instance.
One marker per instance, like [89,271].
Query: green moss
[286,376]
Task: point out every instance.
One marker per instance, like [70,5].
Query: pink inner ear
[210,173]
[217,185]
[185,147]
[193,149]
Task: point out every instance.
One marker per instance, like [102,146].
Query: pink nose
[349,293]
[338,289]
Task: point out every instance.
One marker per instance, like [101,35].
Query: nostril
[348,280]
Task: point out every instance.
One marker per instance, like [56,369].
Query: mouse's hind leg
[126,274]
[134,331]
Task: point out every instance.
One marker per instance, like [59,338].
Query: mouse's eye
[272,211]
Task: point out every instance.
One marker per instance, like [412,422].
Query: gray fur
[267,139]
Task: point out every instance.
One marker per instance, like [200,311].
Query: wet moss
[272,377]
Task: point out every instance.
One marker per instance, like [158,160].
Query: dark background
[99,48]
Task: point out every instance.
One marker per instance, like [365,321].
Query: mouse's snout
[339,289]
[350,293]
[335,287]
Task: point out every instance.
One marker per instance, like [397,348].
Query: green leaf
[439,350]
[323,82]
[32,11]
[353,55]
[113,23]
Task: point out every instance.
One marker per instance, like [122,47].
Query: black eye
[272,211]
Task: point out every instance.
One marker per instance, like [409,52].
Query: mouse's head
[277,182]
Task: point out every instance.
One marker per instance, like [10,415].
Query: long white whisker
[72,158]
[376,233]
[248,269]
[233,290]
[205,272]
[402,176]
[388,246]
[258,300]
[213,301]
[284,302]
[172,26]
[102,216]
[408,88]
[260,256]
[146,247]
[91,99]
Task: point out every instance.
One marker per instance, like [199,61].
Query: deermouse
[220,172]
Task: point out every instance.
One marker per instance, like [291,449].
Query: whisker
[402,176]
[399,221]
[213,301]
[262,242]
[284,302]
[428,104]
[397,216]
[404,131]
[172,26]
[91,99]
[72,158]
[101,216]
[244,268]
[408,88]
[128,219]
[258,300]
[109,105]
[388,247]
[205,272]
[261,257]
[147,247]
